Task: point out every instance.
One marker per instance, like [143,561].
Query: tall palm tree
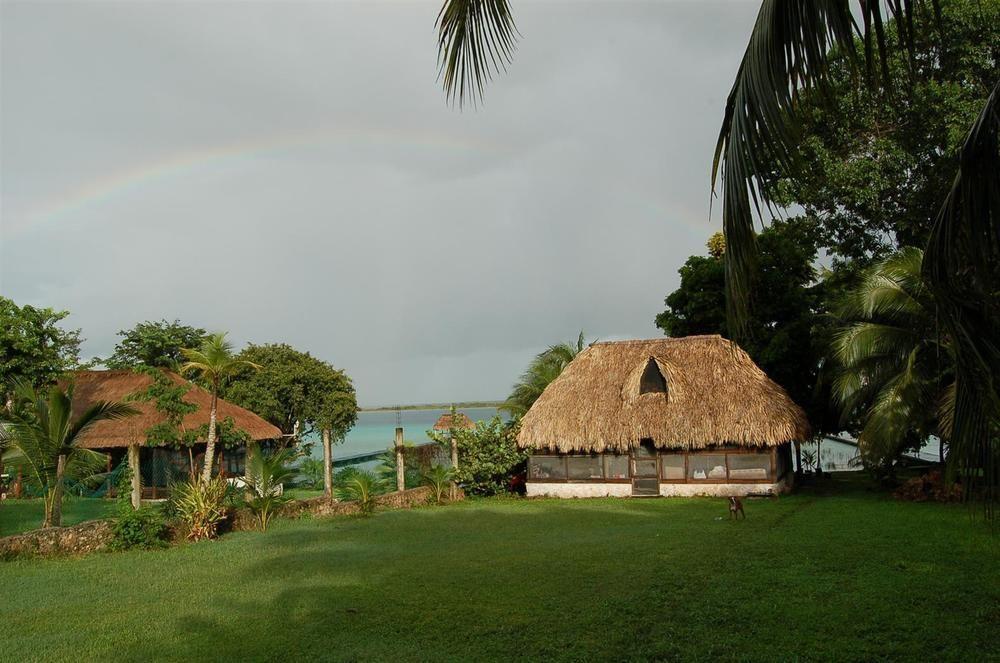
[789,51]
[213,361]
[44,437]
[896,370]
[543,369]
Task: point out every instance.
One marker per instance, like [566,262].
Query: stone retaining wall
[86,537]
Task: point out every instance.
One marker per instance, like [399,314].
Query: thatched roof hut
[92,386]
[461,420]
[679,393]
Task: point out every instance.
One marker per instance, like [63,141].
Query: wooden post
[454,465]
[133,466]
[327,465]
[400,462]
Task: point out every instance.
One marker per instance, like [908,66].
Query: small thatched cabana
[671,416]
[446,422]
[159,465]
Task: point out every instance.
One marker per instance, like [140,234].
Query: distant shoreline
[432,406]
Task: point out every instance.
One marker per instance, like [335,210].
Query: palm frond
[963,268]
[476,38]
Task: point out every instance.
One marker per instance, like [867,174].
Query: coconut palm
[40,429]
[789,50]
[213,362]
[543,369]
[895,367]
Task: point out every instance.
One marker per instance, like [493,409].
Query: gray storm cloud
[291,172]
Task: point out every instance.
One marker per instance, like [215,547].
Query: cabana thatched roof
[715,394]
[92,386]
[444,422]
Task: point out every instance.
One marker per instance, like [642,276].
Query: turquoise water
[376,431]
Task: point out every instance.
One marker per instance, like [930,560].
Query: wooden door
[644,470]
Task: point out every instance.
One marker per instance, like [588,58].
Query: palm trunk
[55,505]
[327,465]
[206,473]
[135,469]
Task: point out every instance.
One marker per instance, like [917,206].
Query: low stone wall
[83,538]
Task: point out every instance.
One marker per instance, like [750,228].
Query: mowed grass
[849,576]
[22,515]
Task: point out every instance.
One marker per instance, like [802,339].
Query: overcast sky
[291,172]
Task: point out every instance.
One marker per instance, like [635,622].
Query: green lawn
[851,576]
[21,515]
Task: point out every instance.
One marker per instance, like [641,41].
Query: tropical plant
[214,361]
[200,506]
[311,471]
[361,488]
[438,479]
[266,474]
[543,369]
[156,344]
[896,369]
[44,437]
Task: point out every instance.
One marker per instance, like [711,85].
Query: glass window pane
[546,467]
[749,467]
[616,466]
[672,467]
[585,467]
[707,467]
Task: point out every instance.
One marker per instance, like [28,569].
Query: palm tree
[44,436]
[896,370]
[789,50]
[543,369]
[214,361]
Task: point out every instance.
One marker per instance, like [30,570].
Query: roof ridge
[671,339]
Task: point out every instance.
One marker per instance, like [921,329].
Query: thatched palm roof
[92,386]
[445,422]
[715,394]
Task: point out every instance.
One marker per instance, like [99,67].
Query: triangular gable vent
[652,380]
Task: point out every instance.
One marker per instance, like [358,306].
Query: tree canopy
[155,344]
[294,386]
[33,346]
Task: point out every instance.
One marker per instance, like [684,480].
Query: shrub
[360,487]
[200,506]
[488,456]
[438,478]
[265,478]
[139,528]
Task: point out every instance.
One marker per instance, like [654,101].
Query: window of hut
[652,380]
[585,467]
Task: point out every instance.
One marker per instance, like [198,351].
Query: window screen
[749,467]
[707,467]
[672,467]
[616,466]
[585,467]
[547,467]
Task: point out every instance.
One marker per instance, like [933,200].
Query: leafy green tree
[784,331]
[488,456]
[293,386]
[543,369]
[33,345]
[45,436]
[214,362]
[895,369]
[155,344]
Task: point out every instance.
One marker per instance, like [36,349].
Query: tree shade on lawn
[535,579]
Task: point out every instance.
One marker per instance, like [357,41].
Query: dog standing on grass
[736,508]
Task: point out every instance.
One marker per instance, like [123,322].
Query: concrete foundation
[538,489]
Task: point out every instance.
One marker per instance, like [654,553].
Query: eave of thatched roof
[92,386]
[445,422]
[716,395]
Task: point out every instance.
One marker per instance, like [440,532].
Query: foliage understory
[848,575]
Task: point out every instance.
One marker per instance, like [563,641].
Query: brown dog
[736,508]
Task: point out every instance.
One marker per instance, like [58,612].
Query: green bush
[266,474]
[200,506]
[139,528]
[438,478]
[360,487]
[488,456]
[311,472]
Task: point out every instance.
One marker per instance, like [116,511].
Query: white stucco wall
[666,489]
[579,489]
